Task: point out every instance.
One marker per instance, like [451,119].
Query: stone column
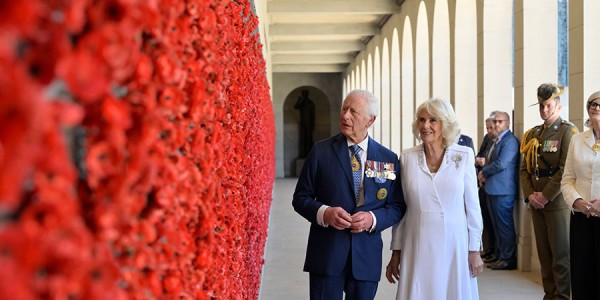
[584,61]
[494,58]
[536,62]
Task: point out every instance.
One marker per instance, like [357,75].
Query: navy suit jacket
[465,140]
[502,173]
[326,178]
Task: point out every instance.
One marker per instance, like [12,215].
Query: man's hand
[361,221]
[480,177]
[541,200]
[534,201]
[337,217]
[480,161]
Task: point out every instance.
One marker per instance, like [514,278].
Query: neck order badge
[356,169]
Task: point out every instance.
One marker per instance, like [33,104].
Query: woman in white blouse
[580,186]
[436,245]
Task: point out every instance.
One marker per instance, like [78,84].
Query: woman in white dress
[436,245]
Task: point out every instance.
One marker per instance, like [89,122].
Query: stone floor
[283,278]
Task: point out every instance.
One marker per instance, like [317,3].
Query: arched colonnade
[481,56]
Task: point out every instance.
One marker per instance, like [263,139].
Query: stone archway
[291,126]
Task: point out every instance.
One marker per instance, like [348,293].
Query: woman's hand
[475,263]
[392,271]
[583,206]
[595,210]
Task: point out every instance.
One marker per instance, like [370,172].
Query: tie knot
[355,149]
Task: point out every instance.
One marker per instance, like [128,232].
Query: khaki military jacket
[553,145]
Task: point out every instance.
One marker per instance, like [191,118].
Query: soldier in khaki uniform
[545,150]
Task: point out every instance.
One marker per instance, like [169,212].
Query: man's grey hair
[372,101]
[504,114]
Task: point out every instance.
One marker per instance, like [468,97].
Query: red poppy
[85,74]
[22,16]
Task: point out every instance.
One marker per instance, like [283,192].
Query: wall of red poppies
[136,150]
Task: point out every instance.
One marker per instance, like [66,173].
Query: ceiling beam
[311,59]
[316,47]
[335,68]
[323,29]
[334,6]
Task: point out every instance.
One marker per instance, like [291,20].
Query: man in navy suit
[349,195]
[501,177]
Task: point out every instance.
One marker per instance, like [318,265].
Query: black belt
[545,172]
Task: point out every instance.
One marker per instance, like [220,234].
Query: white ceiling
[323,36]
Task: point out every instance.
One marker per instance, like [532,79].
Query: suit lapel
[589,139]
[372,153]
[500,143]
[340,147]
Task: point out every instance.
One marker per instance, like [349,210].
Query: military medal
[355,164]
[381,194]
[550,146]
[380,171]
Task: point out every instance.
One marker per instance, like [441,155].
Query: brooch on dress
[457,158]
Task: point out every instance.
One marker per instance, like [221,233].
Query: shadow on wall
[294,134]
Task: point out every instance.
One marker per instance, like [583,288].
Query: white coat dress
[442,224]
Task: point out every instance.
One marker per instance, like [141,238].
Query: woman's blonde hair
[595,95]
[442,111]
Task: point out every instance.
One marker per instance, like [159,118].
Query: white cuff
[374,222]
[320,214]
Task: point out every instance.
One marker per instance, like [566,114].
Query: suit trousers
[585,262]
[551,227]
[326,287]
[501,211]
[488,238]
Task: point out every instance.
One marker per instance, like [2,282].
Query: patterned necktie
[356,169]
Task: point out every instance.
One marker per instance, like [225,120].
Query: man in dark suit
[481,159]
[501,177]
[349,194]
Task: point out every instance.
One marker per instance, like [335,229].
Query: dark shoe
[487,254]
[491,264]
[490,259]
[503,265]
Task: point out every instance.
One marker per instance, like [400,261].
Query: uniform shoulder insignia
[574,128]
